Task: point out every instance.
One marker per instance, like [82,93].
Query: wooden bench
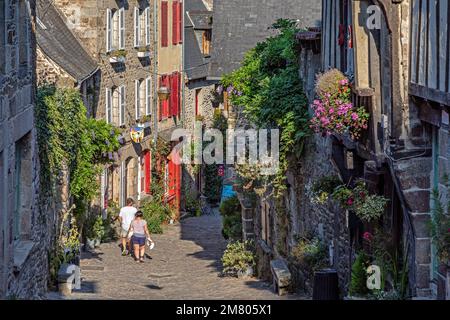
[69,277]
[281,276]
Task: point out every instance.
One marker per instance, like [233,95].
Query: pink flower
[331,110]
[355,116]
[350,201]
[343,82]
[367,236]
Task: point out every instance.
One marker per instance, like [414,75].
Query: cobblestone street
[185,264]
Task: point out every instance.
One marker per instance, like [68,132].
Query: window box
[143,52]
[118,56]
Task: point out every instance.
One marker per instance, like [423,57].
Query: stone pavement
[185,264]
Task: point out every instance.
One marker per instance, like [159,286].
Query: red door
[147,172]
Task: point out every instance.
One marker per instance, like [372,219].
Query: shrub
[324,187]
[238,257]
[192,204]
[358,283]
[156,213]
[440,229]
[310,254]
[230,206]
[231,218]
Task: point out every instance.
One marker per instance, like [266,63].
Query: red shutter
[164,23]
[175,94]
[179,78]
[161,103]
[148,172]
[175,26]
[180,21]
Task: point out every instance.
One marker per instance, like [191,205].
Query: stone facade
[25,230]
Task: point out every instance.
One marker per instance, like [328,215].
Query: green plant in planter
[371,207]
[324,187]
[119,53]
[238,257]
[344,195]
[192,204]
[358,283]
[98,229]
[231,218]
[143,49]
[310,254]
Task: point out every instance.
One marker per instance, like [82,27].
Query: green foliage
[267,85]
[231,218]
[358,283]
[68,139]
[238,257]
[310,254]
[440,228]
[156,213]
[324,187]
[192,204]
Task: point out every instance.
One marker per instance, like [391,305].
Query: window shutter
[161,103]
[176,94]
[108,30]
[137,28]
[148,96]
[180,21]
[148,172]
[122,105]
[137,99]
[108,107]
[147,26]
[121,28]
[175,22]
[164,24]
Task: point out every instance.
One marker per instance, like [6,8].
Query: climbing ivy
[71,142]
[269,89]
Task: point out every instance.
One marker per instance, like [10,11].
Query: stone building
[199,92]
[25,230]
[129,41]
[62,60]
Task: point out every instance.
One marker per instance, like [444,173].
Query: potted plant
[334,112]
[117,56]
[94,232]
[99,231]
[238,259]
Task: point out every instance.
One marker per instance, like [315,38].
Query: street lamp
[163,93]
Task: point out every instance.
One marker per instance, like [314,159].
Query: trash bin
[326,285]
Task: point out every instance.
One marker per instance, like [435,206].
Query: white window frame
[147,26]
[122,105]
[137,27]
[148,96]
[137,98]
[109,30]
[109,106]
[121,43]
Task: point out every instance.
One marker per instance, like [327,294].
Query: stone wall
[26,231]
[49,73]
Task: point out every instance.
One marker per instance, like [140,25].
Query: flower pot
[249,272]
[143,54]
[90,244]
[118,59]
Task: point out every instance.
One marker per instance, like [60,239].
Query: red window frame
[175,22]
[164,24]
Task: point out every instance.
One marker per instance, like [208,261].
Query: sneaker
[124,253]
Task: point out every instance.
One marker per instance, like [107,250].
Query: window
[122,105]
[109,106]
[164,24]
[143,97]
[137,27]
[141,27]
[197,95]
[206,42]
[147,26]
[23,181]
[115,29]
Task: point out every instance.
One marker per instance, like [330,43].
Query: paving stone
[185,264]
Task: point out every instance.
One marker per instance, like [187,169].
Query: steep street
[184,264]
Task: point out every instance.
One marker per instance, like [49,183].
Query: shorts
[138,241]
[124,233]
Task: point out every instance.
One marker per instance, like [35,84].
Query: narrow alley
[184,264]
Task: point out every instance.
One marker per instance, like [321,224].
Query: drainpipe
[155,70]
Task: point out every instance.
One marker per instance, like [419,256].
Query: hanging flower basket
[334,112]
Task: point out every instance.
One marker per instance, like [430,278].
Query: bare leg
[136,251]
[124,245]
[142,253]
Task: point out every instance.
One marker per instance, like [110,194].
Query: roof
[240,25]
[58,43]
[197,17]
[195,64]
